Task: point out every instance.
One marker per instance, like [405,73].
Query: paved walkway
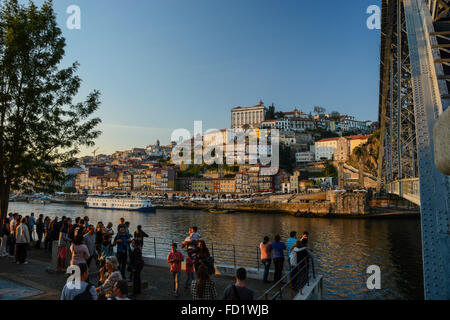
[33,281]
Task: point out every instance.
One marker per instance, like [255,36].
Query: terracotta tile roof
[329,139]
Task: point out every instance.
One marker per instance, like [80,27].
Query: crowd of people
[16,234]
[87,245]
[297,252]
[91,247]
[198,259]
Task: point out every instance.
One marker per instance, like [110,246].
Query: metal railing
[408,189]
[234,255]
[293,282]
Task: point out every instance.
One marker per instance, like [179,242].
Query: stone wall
[350,202]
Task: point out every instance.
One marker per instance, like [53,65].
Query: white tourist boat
[120,203]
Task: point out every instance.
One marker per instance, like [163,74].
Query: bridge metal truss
[414,91]
[398,134]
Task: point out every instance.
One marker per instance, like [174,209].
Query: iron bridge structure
[414,92]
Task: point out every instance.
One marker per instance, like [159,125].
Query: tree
[330,171]
[287,159]
[41,127]
[335,115]
[69,189]
[270,114]
[319,110]
[279,114]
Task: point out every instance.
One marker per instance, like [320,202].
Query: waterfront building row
[297,121]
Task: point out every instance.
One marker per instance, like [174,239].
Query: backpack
[86,294]
[234,293]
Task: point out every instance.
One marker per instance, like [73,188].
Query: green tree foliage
[319,110]
[335,115]
[279,115]
[270,114]
[69,189]
[287,159]
[330,171]
[41,127]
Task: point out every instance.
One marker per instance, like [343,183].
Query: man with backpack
[239,290]
[80,290]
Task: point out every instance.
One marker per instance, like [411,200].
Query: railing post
[212,248]
[154,246]
[291,285]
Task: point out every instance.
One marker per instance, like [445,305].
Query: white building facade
[325,148]
[304,157]
[249,116]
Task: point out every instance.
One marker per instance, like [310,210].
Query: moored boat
[219,211]
[120,203]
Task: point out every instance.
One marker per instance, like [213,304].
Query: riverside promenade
[33,282]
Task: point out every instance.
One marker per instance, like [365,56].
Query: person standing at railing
[305,235]
[175,258]
[266,257]
[293,260]
[278,257]
[289,243]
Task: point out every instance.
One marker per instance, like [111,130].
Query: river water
[343,248]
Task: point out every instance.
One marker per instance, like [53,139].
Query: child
[189,272]
[175,258]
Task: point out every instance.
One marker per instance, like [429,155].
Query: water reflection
[343,248]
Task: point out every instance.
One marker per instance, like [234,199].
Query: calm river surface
[343,248]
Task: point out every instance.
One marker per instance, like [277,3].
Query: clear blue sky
[161,64]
